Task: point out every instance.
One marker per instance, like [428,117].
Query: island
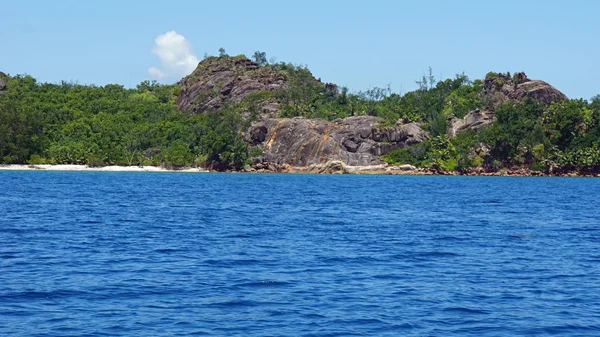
[235,113]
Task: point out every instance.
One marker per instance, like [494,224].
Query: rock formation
[354,141]
[500,88]
[473,120]
[220,80]
[3,78]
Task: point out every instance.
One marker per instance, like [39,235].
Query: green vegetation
[111,125]
[561,137]
[260,57]
[68,123]
[430,104]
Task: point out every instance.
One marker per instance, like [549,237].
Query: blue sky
[360,44]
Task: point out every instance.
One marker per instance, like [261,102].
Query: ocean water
[175,254]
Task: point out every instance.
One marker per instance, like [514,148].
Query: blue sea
[180,254]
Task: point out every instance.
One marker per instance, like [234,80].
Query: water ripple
[105,254]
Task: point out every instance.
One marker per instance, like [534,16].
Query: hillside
[232,113]
[297,121]
[265,94]
[218,81]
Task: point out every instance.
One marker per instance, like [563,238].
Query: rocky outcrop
[220,80]
[499,88]
[338,167]
[354,141]
[472,121]
[3,79]
[327,146]
[296,142]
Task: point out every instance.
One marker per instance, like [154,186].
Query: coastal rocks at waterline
[334,167]
[354,141]
[337,167]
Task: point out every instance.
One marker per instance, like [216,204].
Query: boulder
[330,167]
[500,88]
[406,167]
[472,121]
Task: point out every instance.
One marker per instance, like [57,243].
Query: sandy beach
[48,167]
[314,169]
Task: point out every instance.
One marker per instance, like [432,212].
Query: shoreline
[108,168]
[336,168]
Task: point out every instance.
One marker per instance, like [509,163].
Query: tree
[222,52]
[568,120]
[260,57]
[130,149]
[427,82]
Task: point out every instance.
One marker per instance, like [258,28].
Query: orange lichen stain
[296,160]
[321,146]
[273,134]
[310,153]
[339,152]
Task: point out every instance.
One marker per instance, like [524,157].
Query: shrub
[7,160]
[36,159]
[255,151]
[94,160]
[449,165]
[177,154]
[537,167]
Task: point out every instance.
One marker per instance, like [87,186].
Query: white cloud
[175,54]
[154,71]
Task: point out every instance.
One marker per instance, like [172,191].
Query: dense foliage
[561,137]
[430,104]
[76,124]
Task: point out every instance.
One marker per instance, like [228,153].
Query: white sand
[100,169]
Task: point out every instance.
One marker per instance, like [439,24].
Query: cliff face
[355,141]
